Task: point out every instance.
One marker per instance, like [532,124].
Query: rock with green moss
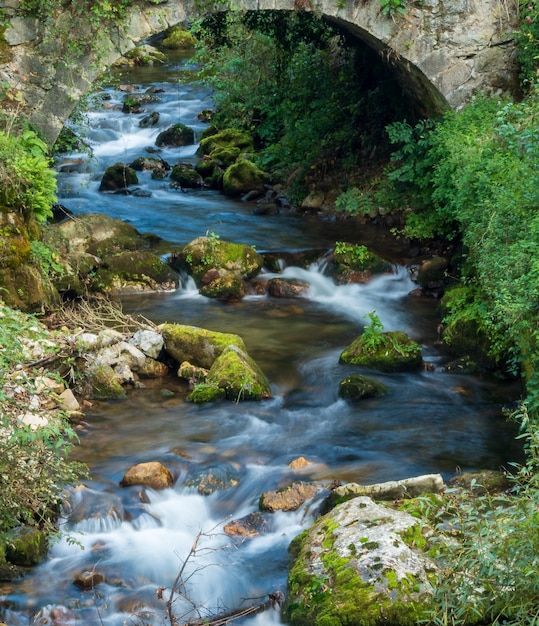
[14,240]
[135,102]
[393,351]
[205,253]
[145,55]
[355,257]
[105,385]
[225,155]
[198,346]
[227,288]
[357,565]
[185,176]
[358,387]
[24,288]
[204,392]
[135,271]
[239,376]
[211,172]
[28,547]
[244,176]
[178,38]
[118,177]
[228,138]
[176,136]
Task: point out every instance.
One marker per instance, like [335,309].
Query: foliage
[392,8]
[491,558]
[315,104]
[27,184]
[527,39]
[355,202]
[373,336]
[33,464]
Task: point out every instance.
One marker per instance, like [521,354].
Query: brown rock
[89,579]
[287,499]
[152,474]
[248,526]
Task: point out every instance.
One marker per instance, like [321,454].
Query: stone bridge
[442,51]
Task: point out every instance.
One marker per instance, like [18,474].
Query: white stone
[149,341]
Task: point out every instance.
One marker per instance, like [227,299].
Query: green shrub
[27,183]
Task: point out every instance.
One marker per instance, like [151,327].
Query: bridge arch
[441,54]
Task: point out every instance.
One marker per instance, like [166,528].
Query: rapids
[429,422]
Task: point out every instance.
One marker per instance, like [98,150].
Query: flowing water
[428,422]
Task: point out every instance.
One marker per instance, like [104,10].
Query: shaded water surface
[428,422]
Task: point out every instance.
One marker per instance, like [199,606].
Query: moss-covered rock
[178,38]
[354,567]
[118,177]
[105,385]
[176,136]
[358,387]
[238,375]
[394,352]
[205,253]
[134,102]
[243,176]
[27,548]
[184,175]
[145,55]
[14,240]
[204,392]
[198,346]
[158,167]
[211,172]
[349,256]
[135,271]
[228,138]
[225,156]
[25,289]
[228,287]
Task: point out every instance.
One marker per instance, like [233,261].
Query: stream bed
[429,422]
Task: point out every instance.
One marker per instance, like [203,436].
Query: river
[429,421]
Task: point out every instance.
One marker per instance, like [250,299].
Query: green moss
[205,392]
[105,385]
[177,38]
[395,352]
[228,138]
[28,548]
[243,176]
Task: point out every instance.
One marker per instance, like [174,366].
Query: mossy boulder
[393,352]
[225,155]
[356,566]
[134,271]
[145,55]
[204,392]
[135,102]
[24,288]
[243,176]
[358,387]
[228,287]
[238,375]
[27,548]
[228,138]
[205,253]
[14,240]
[211,172]
[184,175]
[105,385]
[198,346]
[118,177]
[178,38]
[176,136]
[356,257]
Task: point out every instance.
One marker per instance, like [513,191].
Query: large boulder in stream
[117,178]
[244,176]
[394,352]
[207,253]
[359,564]
[228,138]
[176,136]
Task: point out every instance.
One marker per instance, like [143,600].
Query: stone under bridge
[442,51]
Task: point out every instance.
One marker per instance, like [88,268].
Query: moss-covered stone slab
[178,38]
[393,352]
[351,256]
[359,565]
[198,346]
[239,376]
[105,385]
[244,176]
[185,176]
[358,387]
[205,253]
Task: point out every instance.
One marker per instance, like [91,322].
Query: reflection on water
[428,422]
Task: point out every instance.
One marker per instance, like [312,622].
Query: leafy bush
[527,39]
[27,183]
